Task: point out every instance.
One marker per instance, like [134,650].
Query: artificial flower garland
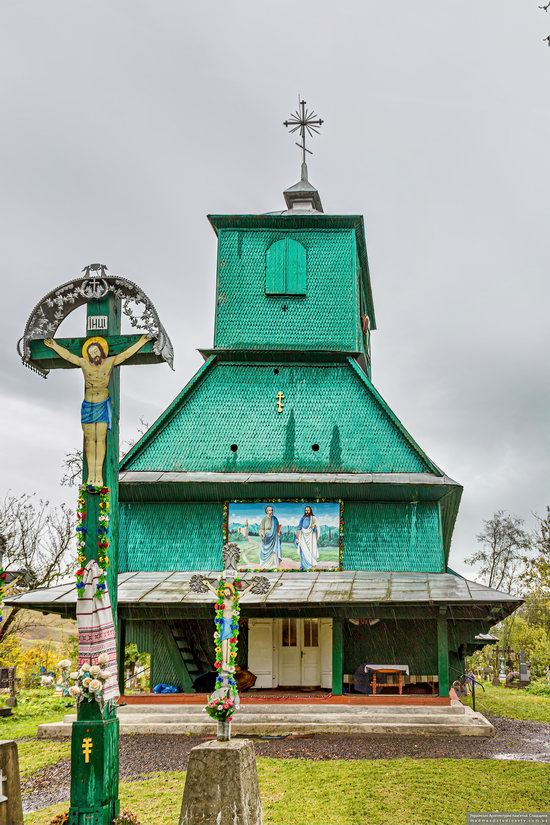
[104,494]
[233,642]
[222,708]
[3,577]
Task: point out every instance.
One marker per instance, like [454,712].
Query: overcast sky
[124,122]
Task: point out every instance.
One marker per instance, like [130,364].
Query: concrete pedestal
[11,809]
[222,785]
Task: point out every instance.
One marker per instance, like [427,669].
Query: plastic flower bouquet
[222,705]
[89,681]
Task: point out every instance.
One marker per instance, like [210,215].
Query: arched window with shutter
[285,268]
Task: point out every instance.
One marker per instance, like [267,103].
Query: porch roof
[288,590]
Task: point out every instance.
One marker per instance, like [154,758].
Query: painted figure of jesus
[97,407]
[226,632]
[306,539]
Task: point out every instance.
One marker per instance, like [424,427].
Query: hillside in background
[47,629]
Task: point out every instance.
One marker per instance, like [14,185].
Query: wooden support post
[337,656]
[95,736]
[121,655]
[94,768]
[11,808]
[443,653]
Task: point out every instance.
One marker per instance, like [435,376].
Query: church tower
[294,281]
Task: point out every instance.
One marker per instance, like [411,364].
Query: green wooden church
[281,417]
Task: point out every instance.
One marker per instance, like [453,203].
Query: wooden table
[398,670]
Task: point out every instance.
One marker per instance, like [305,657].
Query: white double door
[290,652]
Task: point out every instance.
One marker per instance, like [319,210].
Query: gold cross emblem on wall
[280,405]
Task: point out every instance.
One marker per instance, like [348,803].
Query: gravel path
[514,739]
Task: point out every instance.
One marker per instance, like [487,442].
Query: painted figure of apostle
[307,537]
[271,553]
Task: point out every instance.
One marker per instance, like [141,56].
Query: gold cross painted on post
[280,404]
[87,745]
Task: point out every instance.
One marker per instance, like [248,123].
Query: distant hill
[49,628]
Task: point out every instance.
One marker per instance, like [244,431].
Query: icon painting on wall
[286,535]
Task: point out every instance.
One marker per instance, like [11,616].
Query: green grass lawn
[301,792]
[328,556]
[380,792]
[39,753]
[512,703]
[34,707]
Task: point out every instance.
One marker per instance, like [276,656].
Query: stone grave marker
[11,807]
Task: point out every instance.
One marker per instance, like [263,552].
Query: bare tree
[36,538]
[545,7]
[541,536]
[72,468]
[140,431]
[537,572]
[503,551]
[72,463]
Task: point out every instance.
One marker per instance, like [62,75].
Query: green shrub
[538,688]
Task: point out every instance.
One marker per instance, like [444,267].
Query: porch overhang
[346,594]
[348,485]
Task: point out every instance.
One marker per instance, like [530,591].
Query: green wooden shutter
[286,268]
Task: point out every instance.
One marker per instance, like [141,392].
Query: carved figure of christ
[228,616]
[96,413]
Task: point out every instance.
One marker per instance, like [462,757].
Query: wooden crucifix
[227,591]
[94,770]
[98,355]
[97,408]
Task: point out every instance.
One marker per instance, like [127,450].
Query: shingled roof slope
[332,420]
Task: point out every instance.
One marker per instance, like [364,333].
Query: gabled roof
[333,420]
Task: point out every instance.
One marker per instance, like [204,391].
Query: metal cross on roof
[304,121]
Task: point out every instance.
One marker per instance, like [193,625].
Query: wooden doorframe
[324,639]
[325,656]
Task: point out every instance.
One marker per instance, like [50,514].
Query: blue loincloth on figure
[226,631]
[97,412]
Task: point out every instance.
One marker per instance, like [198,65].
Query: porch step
[270,720]
[284,718]
[455,708]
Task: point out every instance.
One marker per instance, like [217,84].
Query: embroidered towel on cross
[96,631]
